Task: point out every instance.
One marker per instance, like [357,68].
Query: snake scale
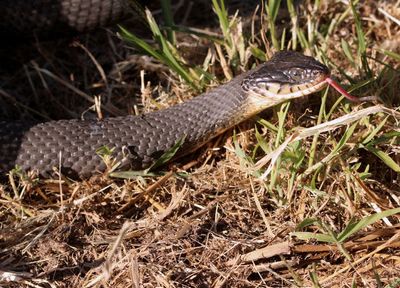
[55,18]
[138,141]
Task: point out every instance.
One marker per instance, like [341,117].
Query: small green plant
[232,43]
[164,158]
[166,53]
[352,227]
[106,154]
[272,8]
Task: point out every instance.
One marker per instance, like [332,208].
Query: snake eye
[296,74]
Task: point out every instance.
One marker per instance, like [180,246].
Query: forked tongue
[341,90]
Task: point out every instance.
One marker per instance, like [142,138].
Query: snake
[49,19]
[137,141]
[72,147]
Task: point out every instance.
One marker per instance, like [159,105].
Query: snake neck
[203,117]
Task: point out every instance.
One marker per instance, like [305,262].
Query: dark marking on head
[287,67]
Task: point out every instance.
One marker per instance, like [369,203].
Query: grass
[305,197]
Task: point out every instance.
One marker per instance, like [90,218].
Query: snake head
[287,75]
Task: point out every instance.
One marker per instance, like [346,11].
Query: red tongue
[338,88]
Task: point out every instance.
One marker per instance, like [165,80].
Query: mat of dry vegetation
[265,205]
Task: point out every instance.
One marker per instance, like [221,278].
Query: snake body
[137,141]
[52,18]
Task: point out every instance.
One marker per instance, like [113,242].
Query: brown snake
[137,141]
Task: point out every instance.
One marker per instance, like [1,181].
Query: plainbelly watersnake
[137,141]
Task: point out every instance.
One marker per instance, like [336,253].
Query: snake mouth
[286,76]
[285,91]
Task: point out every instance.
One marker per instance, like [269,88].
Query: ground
[325,215]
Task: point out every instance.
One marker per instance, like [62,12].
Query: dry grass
[219,218]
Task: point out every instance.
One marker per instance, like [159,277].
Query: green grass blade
[306,222]
[385,138]
[303,40]
[169,20]
[213,37]
[347,51]
[293,18]
[164,54]
[284,108]
[394,284]
[167,155]
[375,131]
[314,278]
[392,54]
[268,125]
[222,13]
[272,7]
[166,51]
[317,236]
[132,174]
[240,152]
[139,43]
[334,152]
[384,157]
[319,120]
[354,227]
[258,53]
[349,132]
[262,143]
[362,47]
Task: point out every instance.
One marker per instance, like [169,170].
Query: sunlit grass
[312,163]
[321,174]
